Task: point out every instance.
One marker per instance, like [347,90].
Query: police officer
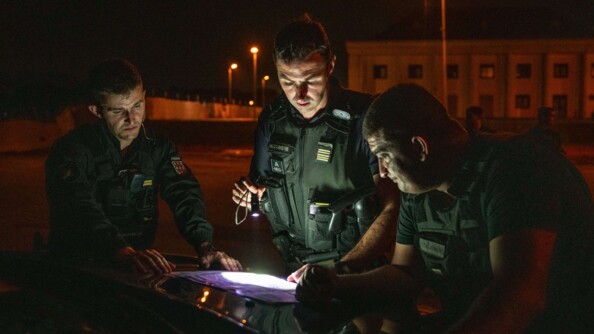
[312,170]
[103,182]
[500,228]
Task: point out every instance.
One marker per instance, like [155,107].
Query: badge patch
[277,166]
[178,166]
[341,114]
[324,152]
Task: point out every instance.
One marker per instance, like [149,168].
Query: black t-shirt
[518,184]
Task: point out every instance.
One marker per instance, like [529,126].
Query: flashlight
[255,205]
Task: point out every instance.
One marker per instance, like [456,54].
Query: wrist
[206,248]
[124,254]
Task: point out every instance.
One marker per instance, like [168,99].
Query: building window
[452,71]
[380,71]
[523,101]
[560,70]
[523,71]
[415,71]
[487,71]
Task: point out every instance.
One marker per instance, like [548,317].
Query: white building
[508,78]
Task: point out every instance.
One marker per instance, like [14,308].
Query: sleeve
[77,220]
[182,192]
[520,193]
[406,231]
[260,165]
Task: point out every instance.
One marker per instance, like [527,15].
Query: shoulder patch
[341,114]
[69,172]
[179,166]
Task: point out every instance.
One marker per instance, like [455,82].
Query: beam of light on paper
[262,287]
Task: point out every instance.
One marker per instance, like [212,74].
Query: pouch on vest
[444,255]
[276,203]
[129,202]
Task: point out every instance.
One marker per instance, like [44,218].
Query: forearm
[502,308]
[376,241]
[381,234]
[379,285]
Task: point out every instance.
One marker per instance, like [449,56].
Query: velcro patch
[280,148]
[432,248]
[277,166]
[179,166]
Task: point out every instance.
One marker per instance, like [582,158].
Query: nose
[302,91]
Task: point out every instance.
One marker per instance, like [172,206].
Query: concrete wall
[160,108]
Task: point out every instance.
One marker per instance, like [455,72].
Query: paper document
[262,287]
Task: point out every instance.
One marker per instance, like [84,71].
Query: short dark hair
[113,76]
[474,110]
[408,110]
[300,39]
[544,112]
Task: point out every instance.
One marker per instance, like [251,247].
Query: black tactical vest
[452,234]
[313,166]
[126,191]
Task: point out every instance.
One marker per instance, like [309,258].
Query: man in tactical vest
[312,170]
[503,227]
[103,182]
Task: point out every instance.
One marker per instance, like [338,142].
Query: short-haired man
[502,229]
[311,167]
[474,121]
[103,181]
[544,129]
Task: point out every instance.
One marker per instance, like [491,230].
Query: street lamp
[264,79]
[230,75]
[444,53]
[254,51]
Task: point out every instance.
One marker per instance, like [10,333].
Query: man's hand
[239,191]
[317,284]
[296,275]
[146,261]
[209,256]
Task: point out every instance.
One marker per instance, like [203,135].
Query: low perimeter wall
[27,135]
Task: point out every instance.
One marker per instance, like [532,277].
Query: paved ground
[24,208]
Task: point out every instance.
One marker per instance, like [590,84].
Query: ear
[422,146]
[95,111]
[331,64]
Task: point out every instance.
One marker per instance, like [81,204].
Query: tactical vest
[127,193]
[452,235]
[313,167]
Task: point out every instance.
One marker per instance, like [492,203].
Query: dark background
[189,44]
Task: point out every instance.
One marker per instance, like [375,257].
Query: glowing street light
[264,79]
[230,75]
[254,50]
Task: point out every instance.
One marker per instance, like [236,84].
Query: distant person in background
[474,121]
[544,130]
[103,181]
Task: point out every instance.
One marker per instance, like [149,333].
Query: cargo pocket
[276,203]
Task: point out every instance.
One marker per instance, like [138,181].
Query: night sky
[188,44]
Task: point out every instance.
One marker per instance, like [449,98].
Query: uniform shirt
[80,171]
[519,185]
